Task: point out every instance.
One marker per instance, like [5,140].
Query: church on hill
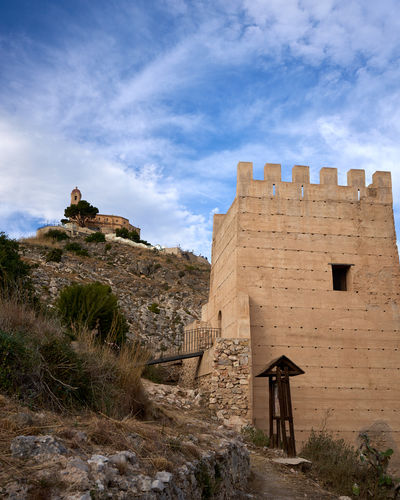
[103,222]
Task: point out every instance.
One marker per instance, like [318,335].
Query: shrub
[338,465]
[255,436]
[95,307]
[154,308]
[56,234]
[37,363]
[107,247]
[39,366]
[115,377]
[77,249]
[13,271]
[54,255]
[97,237]
[130,235]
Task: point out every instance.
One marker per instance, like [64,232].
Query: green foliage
[56,235]
[46,372]
[130,235]
[255,436]
[54,255]
[77,249]
[339,466]
[190,267]
[13,271]
[107,247]
[154,308]
[377,461]
[181,274]
[81,213]
[97,237]
[39,366]
[94,306]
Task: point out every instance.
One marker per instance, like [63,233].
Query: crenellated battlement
[380,191]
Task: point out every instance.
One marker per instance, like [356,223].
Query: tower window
[341,276]
[76,197]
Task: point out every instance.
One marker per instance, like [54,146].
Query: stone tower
[311,271]
[75,196]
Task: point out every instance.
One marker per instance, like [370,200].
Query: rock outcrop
[158,293]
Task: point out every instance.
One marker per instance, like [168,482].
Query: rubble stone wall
[228,381]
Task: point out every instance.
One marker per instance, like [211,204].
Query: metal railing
[194,343]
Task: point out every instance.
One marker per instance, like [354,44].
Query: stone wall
[220,473]
[228,380]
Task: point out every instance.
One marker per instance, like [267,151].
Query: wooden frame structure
[281,428]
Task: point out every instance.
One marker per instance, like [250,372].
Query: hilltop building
[310,272]
[102,222]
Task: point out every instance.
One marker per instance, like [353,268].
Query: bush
[14,273]
[115,377]
[97,237]
[37,363]
[338,465]
[255,436]
[154,308]
[95,307]
[130,235]
[77,249]
[56,235]
[54,255]
[39,366]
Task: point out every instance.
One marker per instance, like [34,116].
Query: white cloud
[144,196]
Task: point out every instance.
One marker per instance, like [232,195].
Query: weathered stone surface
[139,277]
[36,446]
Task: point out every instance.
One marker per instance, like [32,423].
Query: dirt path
[279,482]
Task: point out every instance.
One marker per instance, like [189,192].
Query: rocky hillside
[158,293]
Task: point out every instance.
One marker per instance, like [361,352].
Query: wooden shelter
[281,429]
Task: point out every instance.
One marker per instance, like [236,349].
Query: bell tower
[75,196]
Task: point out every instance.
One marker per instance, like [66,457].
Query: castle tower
[75,196]
[311,271]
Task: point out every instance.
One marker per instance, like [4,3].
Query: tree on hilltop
[81,212]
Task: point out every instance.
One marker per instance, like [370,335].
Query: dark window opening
[340,275]
[76,198]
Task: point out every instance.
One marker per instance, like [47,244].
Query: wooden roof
[282,362]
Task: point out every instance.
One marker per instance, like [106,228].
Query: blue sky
[148,106]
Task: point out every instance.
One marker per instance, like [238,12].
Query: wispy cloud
[148,108]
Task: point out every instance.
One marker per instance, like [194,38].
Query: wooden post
[282,407]
[271,411]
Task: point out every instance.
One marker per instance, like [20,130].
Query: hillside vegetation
[157,293]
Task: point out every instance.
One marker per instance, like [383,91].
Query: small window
[340,276]
[76,197]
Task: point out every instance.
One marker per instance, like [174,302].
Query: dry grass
[337,464]
[16,315]
[41,241]
[115,373]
